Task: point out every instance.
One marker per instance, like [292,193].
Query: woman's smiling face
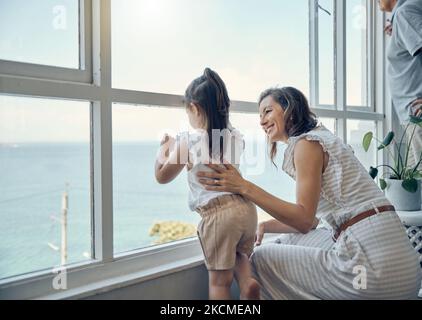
[272,120]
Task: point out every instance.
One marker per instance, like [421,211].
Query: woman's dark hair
[209,93]
[298,117]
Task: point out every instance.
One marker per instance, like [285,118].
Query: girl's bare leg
[249,287]
[219,284]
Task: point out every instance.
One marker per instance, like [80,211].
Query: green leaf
[417,175]
[383,184]
[410,185]
[373,172]
[416,120]
[387,140]
[367,139]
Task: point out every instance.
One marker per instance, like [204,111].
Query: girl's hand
[167,145]
[167,139]
[225,179]
[260,231]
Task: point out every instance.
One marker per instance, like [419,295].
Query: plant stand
[412,220]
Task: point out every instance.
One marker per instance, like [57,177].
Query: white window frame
[339,38]
[106,269]
[341,111]
[83,74]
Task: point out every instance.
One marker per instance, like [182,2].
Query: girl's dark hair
[298,117]
[209,93]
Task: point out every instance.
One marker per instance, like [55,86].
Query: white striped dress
[372,259]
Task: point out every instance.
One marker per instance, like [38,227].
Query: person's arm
[309,162]
[416,107]
[275,226]
[409,29]
[170,160]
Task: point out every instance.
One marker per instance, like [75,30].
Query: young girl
[227,229]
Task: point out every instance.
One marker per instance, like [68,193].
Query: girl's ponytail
[222,97]
[210,93]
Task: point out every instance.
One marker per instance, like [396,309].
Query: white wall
[191,284]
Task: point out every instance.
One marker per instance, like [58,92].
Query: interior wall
[191,284]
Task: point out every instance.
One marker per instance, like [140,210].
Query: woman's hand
[260,231]
[225,178]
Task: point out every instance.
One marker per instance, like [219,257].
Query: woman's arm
[309,163]
[275,226]
[171,159]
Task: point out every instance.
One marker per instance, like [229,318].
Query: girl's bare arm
[170,160]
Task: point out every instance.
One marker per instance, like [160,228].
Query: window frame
[95,85]
[340,54]
[342,111]
[83,74]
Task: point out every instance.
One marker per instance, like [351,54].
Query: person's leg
[416,144]
[248,286]
[219,284]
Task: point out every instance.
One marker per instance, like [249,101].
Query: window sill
[125,280]
[100,277]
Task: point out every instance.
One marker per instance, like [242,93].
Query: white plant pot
[402,199]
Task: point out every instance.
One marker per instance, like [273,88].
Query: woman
[366,255]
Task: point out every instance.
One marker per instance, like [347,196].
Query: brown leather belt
[360,217]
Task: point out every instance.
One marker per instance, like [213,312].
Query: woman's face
[272,120]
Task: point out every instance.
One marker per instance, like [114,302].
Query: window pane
[140,203]
[357,52]
[326,52]
[41,32]
[256,165]
[162,45]
[356,130]
[329,123]
[44,152]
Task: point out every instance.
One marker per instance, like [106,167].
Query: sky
[161,46]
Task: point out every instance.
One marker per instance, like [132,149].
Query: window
[45,174]
[329,123]
[357,30]
[40,32]
[140,203]
[326,52]
[355,133]
[161,46]
[341,33]
[102,153]
[256,165]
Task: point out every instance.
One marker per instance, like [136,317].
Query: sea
[35,177]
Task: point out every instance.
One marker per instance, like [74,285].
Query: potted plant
[401,181]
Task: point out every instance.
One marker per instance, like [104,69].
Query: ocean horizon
[34,177]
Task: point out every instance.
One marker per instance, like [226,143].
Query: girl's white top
[199,156]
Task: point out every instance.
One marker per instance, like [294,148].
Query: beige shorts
[228,226]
